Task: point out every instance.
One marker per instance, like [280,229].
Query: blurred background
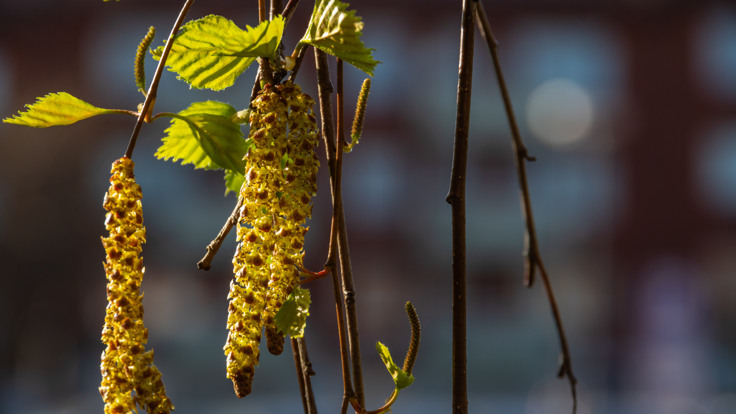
[629,107]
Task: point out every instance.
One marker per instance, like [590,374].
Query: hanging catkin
[128,374]
[280,181]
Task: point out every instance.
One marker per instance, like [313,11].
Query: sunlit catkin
[128,374]
[294,206]
[281,169]
[256,239]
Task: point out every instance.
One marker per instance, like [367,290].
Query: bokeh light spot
[560,112]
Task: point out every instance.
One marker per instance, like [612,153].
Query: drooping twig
[215,244]
[346,269]
[533,259]
[456,198]
[304,373]
[324,90]
[151,95]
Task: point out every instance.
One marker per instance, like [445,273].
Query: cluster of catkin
[128,374]
[281,171]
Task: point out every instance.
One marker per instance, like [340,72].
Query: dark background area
[628,105]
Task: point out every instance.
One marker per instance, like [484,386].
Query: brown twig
[289,10]
[324,90]
[346,270]
[151,95]
[456,198]
[304,374]
[215,244]
[533,259]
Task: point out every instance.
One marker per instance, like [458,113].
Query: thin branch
[304,373]
[531,253]
[324,89]
[289,10]
[346,269]
[299,373]
[215,244]
[151,95]
[456,198]
[533,259]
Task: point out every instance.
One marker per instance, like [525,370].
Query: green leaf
[292,317]
[233,181]
[336,30]
[213,51]
[58,108]
[205,135]
[402,379]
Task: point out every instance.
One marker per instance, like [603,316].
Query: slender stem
[215,244]
[265,68]
[262,12]
[346,270]
[456,198]
[304,374]
[289,10]
[324,89]
[300,51]
[533,259]
[276,8]
[151,96]
[531,252]
[299,373]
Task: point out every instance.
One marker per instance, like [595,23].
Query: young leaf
[233,181]
[336,30]
[402,379]
[205,135]
[212,52]
[292,317]
[58,108]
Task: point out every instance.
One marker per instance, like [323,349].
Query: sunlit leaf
[233,181]
[212,52]
[336,30]
[402,379]
[292,317]
[204,135]
[58,108]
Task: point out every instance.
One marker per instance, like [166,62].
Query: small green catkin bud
[416,333]
[140,55]
[357,130]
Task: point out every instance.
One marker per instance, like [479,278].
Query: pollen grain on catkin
[129,376]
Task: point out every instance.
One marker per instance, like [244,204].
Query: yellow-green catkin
[128,374]
[256,239]
[300,174]
[281,170]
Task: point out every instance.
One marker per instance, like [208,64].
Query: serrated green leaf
[336,30]
[291,319]
[402,379]
[233,181]
[213,51]
[205,135]
[59,108]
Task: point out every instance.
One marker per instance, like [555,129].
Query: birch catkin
[128,374]
[280,176]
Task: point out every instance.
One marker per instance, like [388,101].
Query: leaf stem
[456,198]
[533,259]
[151,95]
